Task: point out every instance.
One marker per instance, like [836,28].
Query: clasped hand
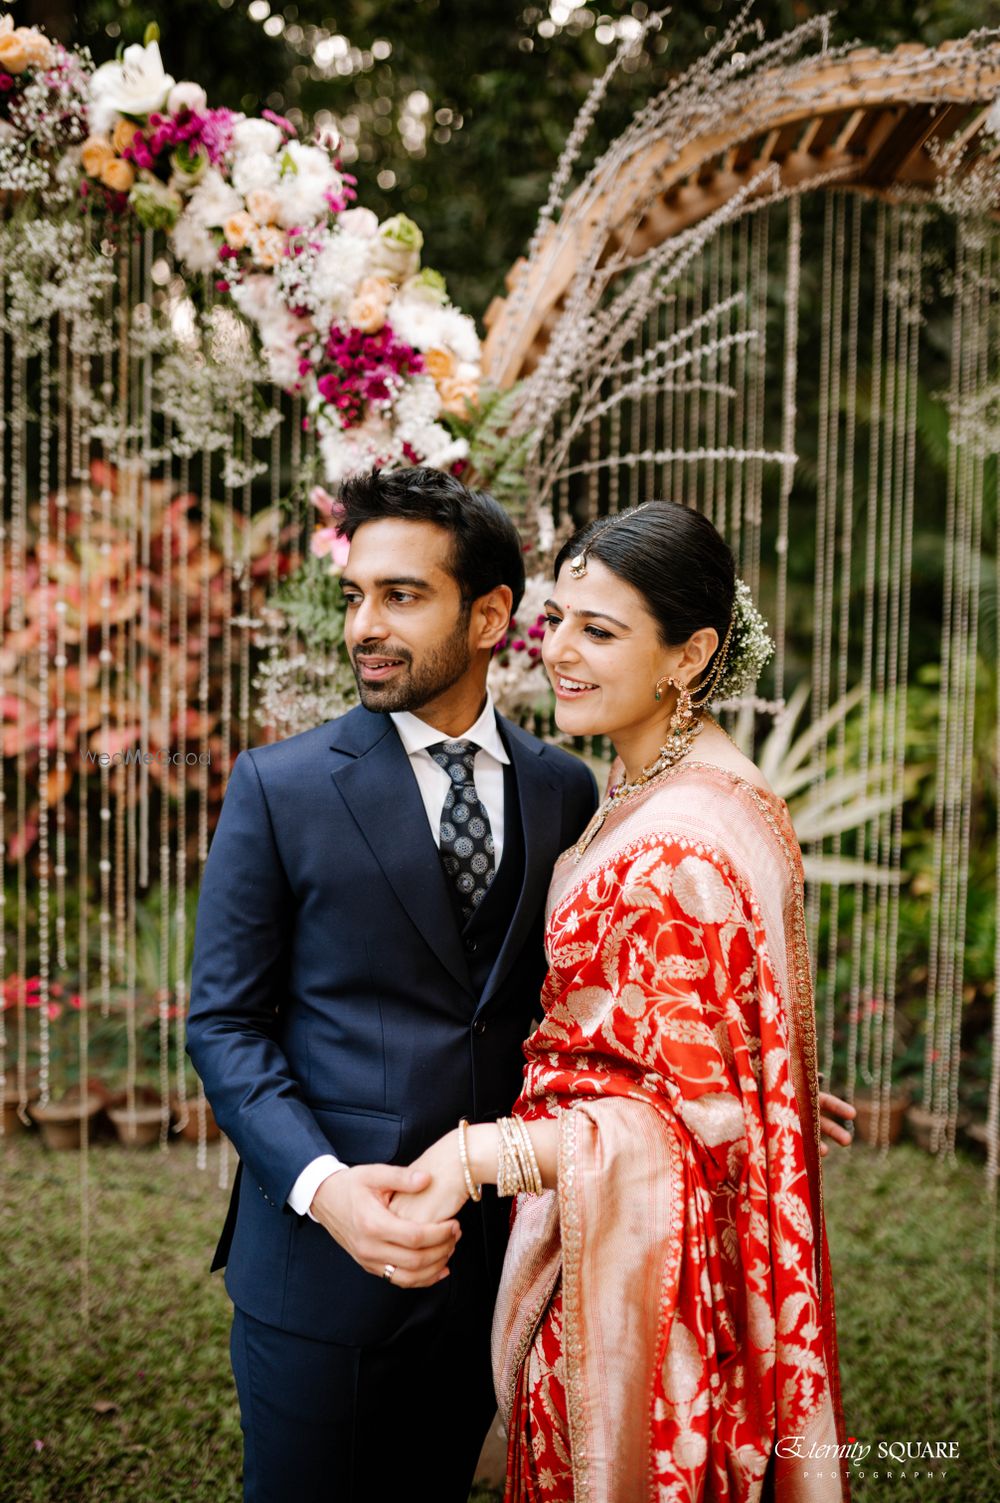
[385,1215]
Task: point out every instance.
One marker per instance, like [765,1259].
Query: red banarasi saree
[666,1315]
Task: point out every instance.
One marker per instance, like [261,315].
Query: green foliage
[140,1404]
[312,603]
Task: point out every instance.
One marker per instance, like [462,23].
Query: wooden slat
[907,135]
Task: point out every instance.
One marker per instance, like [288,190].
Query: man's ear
[491,615]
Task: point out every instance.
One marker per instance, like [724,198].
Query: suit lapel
[540,796]
[381,793]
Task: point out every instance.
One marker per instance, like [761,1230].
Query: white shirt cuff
[309,1181]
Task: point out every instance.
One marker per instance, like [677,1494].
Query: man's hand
[831,1129]
[440,1167]
[353,1206]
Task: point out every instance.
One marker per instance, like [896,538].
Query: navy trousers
[324,1423]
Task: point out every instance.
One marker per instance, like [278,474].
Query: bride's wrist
[481,1140]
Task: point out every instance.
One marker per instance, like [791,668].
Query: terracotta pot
[11,1100]
[139,1127]
[865,1121]
[63,1123]
[186,1127]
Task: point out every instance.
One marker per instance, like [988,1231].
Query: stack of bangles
[517,1167]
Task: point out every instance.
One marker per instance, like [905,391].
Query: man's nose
[368,623]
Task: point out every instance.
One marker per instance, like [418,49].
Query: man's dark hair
[486,550]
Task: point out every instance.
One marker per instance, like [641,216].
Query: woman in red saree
[665,1323]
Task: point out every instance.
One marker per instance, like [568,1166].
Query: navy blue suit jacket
[332,1006]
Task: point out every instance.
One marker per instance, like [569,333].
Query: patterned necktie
[466,840]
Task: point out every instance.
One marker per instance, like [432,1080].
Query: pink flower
[327,541]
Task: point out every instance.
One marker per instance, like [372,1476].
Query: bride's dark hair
[676,559]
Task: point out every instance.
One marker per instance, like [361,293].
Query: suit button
[479,1026]
[471,946]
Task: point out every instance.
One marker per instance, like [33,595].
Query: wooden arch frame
[865,119]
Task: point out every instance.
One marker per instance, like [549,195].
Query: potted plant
[194,1120]
[870,1123]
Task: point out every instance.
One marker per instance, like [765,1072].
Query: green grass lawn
[138,1406]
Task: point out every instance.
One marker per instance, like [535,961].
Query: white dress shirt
[433,782]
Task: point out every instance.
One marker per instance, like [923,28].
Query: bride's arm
[443,1161]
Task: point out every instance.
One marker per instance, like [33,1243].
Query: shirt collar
[417,735]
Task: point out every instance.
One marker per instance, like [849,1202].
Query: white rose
[137,86]
[252,136]
[459,333]
[193,244]
[255,170]
[186,96]
[213,201]
[360,222]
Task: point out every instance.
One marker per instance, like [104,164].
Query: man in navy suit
[368,958]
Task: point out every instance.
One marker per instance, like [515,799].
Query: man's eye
[401,595]
[350,600]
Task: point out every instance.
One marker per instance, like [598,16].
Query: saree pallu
[666,1316]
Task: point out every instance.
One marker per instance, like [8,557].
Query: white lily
[135,86]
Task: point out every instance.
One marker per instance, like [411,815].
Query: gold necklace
[670,754]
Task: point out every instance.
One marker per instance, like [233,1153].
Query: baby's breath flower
[749,647]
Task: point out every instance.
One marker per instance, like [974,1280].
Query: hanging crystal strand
[860,928]
[63,410]
[180,834]
[635,436]
[164,737]
[678,482]
[820,658]
[274,479]
[126,666]
[592,501]
[826,564]
[44,657]
[204,660]
[229,573]
[19,476]
[910,291]
[843,644]
[793,277]
[710,435]
[615,475]
[975,470]
[871,1070]
[742,436]
[945,967]
[756,371]
[694,415]
[665,406]
[295,447]
[104,705]
[144,380]
[80,470]
[730,406]
[246,580]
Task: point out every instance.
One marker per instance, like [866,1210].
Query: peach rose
[238,229]
[367,313]
[37,47]
[267,245]
[263,205]
[118,175]
[121,136]
[439,363]
[95,154]
[13,53]
[379,287]
[455,391]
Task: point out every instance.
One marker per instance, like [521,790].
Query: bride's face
[604,655]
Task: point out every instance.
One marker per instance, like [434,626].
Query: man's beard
[411,687]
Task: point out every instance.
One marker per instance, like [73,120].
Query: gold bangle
[529,1148]
[475,1191]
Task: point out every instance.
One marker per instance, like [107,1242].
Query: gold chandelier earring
[683,715]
